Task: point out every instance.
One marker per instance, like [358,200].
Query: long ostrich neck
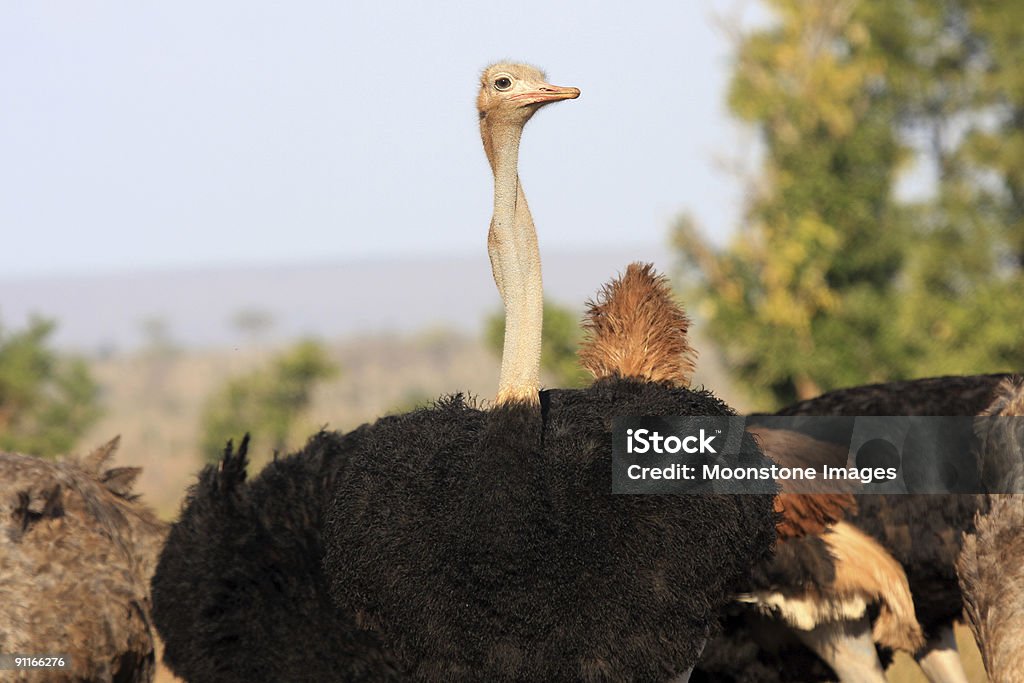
[515,261]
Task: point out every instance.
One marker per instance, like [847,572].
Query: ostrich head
[512,93]
[509,95]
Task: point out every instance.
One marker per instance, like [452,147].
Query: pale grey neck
[515,261]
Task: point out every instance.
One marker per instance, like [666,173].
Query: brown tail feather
[806,514]
[802,511]
[635,328]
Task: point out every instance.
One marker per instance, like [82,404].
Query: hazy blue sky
[185,133]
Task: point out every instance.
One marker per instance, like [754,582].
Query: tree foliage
[266,403]
[47,400]
[832,278]
[561,336]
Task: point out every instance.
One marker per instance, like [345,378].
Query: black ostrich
[829,587]
[486,544]
[77,549]
[922,531]
[991,564]
[520,560]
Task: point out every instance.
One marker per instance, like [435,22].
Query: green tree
[47,401]
[831,279]
[967,281]
[561,337]
[266,403]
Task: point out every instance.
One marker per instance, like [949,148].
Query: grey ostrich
[77,550]
[990,564]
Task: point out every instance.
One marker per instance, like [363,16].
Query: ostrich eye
[503,83]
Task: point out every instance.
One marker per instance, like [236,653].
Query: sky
[189,134]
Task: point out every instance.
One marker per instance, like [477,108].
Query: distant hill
[105,313]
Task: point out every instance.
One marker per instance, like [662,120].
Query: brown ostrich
[825,574]
[990,565]
[77,550]
[486,545]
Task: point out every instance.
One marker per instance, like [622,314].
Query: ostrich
[824,583]
[77,550]
[247,554]
[822,588]
[990,567]
[824,570]
[486,544]
[921,531]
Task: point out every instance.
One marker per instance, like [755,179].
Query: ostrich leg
[848,648]
[940,659]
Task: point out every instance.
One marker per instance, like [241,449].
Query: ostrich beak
[545,93]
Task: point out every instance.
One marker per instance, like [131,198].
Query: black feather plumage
[239,593]
[488,545]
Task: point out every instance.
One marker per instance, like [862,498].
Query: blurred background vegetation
[47,400]
[835,277]
[266,402]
